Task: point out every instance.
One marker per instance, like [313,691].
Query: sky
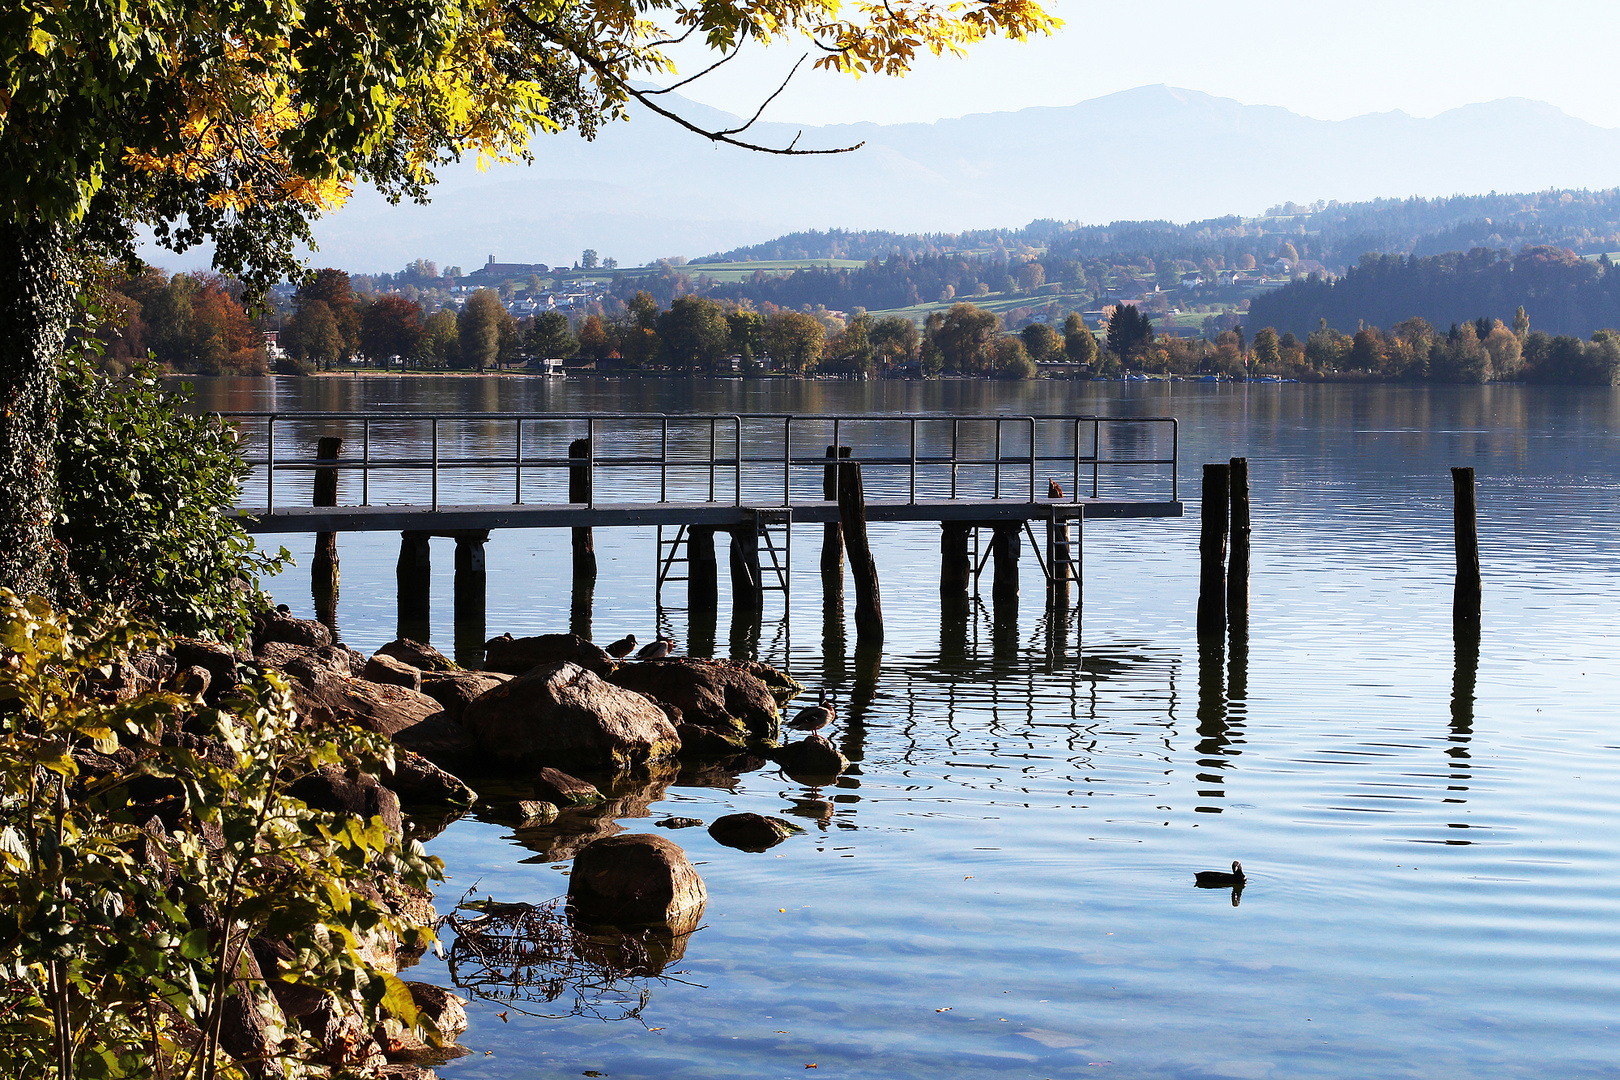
[1328,61]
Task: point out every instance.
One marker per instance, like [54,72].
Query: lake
[1004,881]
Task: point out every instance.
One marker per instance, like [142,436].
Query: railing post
[956,428]
[913,459]
[1031,459]
[580,492]
[738,476]
[711,459]
[435,463]
[787,460]
[1074,488]
[365,463]
[323,568]
[663,459]
[1096,455]
[270,465]
[517,481]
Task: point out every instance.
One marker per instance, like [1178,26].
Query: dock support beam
[868,600]
[579,491]
[747,584]
[1059,563]
[955,564]
[470,597]
[415,575]
[1212,552]
[702,570]
[1005,548]
[323,568]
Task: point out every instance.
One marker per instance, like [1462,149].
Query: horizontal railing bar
[801,418]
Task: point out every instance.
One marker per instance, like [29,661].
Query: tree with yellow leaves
[237,122]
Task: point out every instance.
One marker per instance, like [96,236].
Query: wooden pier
[753,476]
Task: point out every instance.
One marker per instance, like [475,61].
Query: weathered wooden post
[1212,552]
[955,564]
[1466,600]
[852,513]
[1237,574]
[1005,548]
[581,607]
[414,572]
[747,582]
[579,491]
[470,597]
[323,570]
[702,570]
[832,539]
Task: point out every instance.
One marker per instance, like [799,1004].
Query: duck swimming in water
[1220,879]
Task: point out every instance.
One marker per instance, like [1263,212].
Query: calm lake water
[1003,883]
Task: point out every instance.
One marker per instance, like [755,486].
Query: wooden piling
[414,572]
[1058,564]
[1466,600]
[832,538]
[1237,574]
[1212,552]
[955,564]
[470,597]
[702,570]
[579,491]
[324,566]
[868,600]
[1005,547]
[747,582]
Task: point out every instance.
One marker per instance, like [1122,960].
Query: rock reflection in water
[628,795]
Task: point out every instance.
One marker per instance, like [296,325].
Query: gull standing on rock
[659,649]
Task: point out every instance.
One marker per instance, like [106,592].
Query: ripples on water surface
[1433,886]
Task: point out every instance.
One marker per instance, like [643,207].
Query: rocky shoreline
[569,738]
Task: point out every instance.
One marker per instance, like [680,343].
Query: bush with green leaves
[124,932]
[145,497]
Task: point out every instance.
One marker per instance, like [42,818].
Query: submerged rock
[814,757]
[564,716]
[634,880]
[678,823]
[556,786]
[752,832]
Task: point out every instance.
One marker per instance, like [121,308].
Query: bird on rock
[657,650]
[622,648]
[816,716]
[1054,490]
[1220,879]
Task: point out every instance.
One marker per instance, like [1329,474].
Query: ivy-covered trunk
[36,303]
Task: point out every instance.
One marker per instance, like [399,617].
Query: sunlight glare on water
[1003,883]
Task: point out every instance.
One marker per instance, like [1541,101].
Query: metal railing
[743,452]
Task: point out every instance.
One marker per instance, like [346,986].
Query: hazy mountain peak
[647,189]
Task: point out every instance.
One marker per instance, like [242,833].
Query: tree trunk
[36,302]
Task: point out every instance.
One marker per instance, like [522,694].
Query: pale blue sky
[1329,61]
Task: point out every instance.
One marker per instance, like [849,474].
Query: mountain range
[646,189]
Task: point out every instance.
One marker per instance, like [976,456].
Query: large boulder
[454,689]
[391,671]
[708,693]
[519,656]
[219,661]
[558,788]
[303,661]
[563,715]
[326,697]
[783,687]
[355,794]
[279,625]
[634,880]
[419,655]
[417,780]
[442,741]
